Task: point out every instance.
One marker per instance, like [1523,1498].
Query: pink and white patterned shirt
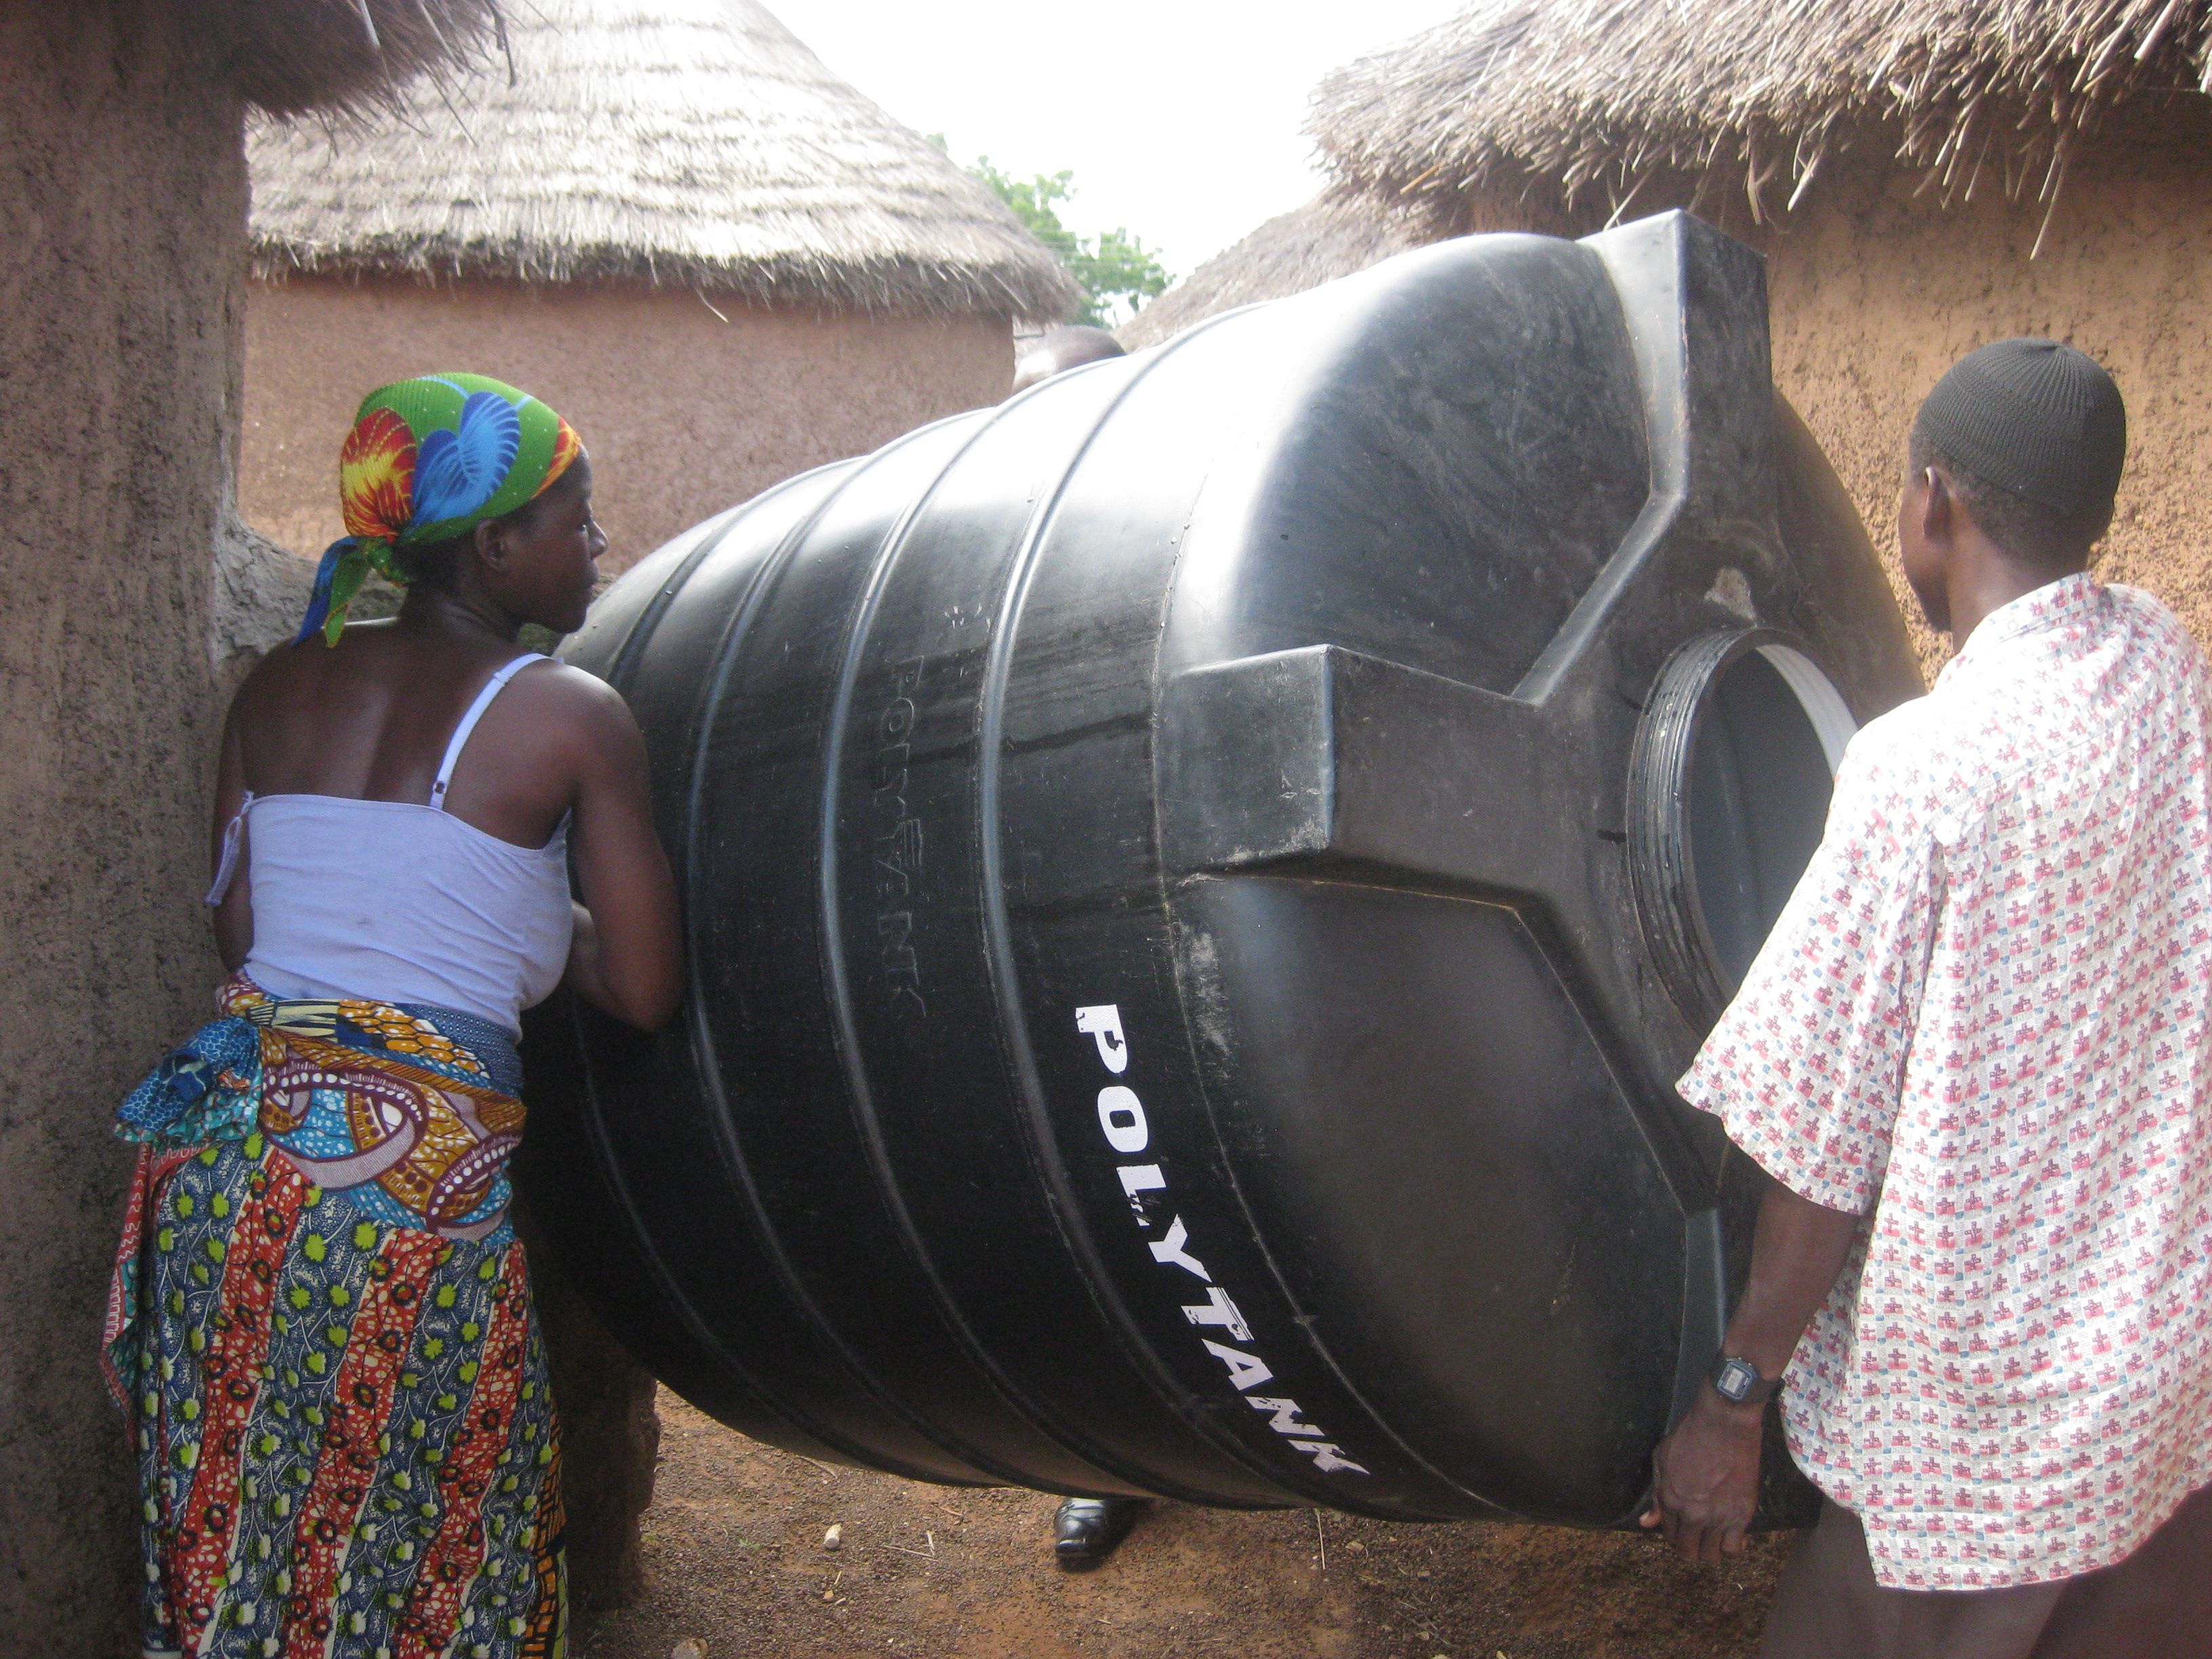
[1982,1021]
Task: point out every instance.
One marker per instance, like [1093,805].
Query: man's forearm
[1795,1254]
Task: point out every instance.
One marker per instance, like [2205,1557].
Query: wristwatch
[1738,1382]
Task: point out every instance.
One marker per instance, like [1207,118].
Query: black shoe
[1087,1530]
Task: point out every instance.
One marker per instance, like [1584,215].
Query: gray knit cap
[2033,416]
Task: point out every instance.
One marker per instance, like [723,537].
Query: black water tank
[1199,881]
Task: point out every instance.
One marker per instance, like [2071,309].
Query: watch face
[1734,1380]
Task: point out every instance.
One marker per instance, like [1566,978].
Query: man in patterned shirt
[1974,1055]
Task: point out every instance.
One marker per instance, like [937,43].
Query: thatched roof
[1289,254]
[1594,96]
[344,57]
[688,143]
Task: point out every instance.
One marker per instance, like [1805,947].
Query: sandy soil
[734,1547]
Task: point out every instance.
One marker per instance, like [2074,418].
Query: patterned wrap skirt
[319,1329]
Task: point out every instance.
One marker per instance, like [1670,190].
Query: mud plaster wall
[684,412]
[1875,295]
[124,191]
[1876,287]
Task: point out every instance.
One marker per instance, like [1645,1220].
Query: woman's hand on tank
[1704,1479]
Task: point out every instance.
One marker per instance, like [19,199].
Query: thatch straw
[688,144]
[1287,255]
[345,58]
[1593,96]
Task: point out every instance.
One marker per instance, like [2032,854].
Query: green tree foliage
[1117,271]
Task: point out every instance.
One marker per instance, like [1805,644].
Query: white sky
[1182,120]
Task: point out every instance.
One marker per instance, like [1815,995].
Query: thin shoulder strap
[227,867]
[493,687]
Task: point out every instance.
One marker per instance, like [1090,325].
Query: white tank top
[398,902]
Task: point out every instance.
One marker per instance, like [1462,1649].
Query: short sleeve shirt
[1981,1021]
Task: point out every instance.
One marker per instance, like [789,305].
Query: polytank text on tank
[1198,880]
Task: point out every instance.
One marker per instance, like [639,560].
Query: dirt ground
[734,1548]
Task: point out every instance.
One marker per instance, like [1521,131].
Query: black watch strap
[1738,1382]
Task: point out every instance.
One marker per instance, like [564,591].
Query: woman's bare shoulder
[306,668]
[280,674]
[553,694]
[314,657]
[558,685]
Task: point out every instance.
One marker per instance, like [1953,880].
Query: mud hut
[122,173]
[1923,180]
[1289,253]
[720,262]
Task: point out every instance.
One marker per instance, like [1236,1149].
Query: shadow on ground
[734,1552]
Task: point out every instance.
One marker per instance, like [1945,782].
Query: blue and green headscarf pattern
[426,459]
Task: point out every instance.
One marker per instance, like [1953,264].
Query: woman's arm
[233,918]
[1705,1476]
[626,956]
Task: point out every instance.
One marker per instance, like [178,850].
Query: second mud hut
[1922,178]
[720,262]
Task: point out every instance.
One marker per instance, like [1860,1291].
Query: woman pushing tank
[320,1325]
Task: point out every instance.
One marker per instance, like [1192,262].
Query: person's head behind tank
[1058,349]
[427,461]
[2032,436]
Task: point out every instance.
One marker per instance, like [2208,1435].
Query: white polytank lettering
[1218,1310]
[1286,1419]
[1170,1249]
[1140,1178]
[1327,1456]
[1103,1022]
[1122,1120]
[1245,1370]
[1121,1116]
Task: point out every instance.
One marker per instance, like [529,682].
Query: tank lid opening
[1728,788]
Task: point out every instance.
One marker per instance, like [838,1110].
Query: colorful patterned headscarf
[429,459]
